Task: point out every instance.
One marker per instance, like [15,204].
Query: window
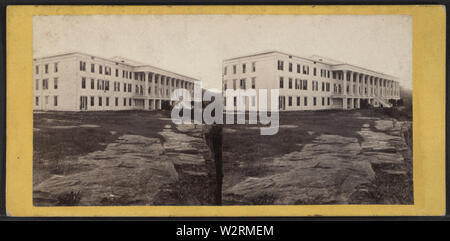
[305,84]
[124,101]
[328,101]
[37,69]
[117,101]
[298,100]
[323,86]
[281,82]
[55,100]
[323,100]
[117,72]
[46,68]
[37,100]
[253,82]
[92,100]
[98,84]
[107,85]
[55,83]
[129,88]
[280,65]
[234,69]
[314,101]
[290,83]
[45,84]
[244,68]
[298,68]
[242,84]
[315,71]
[290,67]
[82,66]
[129,101]
[234,84]
[56,67]
[100,69]
[305,101]
[92,84]
[124,87]
[290,100]
[37,84]
[92,68]
[99,101]
[107,101]
[225,70]
[253,67]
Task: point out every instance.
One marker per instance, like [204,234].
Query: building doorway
[83,102]
[282,102]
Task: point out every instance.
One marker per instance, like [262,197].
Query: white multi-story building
[314,83]
[82,82]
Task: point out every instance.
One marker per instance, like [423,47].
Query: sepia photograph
[190,110]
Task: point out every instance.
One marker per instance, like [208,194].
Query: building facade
[314,83]
[82,82]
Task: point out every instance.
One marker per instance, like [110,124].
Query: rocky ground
[170,168]
[141,158]
[372,165]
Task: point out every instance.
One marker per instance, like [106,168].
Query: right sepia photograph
[345,114]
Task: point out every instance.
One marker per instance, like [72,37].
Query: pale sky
[196,45]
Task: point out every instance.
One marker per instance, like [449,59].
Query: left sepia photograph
[102,129]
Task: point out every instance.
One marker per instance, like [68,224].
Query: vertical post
[344,98]
[214,138]
[358,89]
[351,84]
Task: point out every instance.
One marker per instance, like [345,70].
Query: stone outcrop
[331,170]
[134,170]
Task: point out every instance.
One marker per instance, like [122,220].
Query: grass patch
[52,146]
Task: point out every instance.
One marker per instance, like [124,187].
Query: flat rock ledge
[331,170]
[133,170]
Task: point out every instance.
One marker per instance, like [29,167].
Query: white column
[344,99]
[351,83]
[358,86]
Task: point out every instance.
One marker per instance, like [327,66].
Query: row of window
[45,84]
[125,74]
[243,68]
[282,101]
[139,89]
[137,75]
[242,83]
[46,98]
[302,84]
[99,101]
[46,68]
